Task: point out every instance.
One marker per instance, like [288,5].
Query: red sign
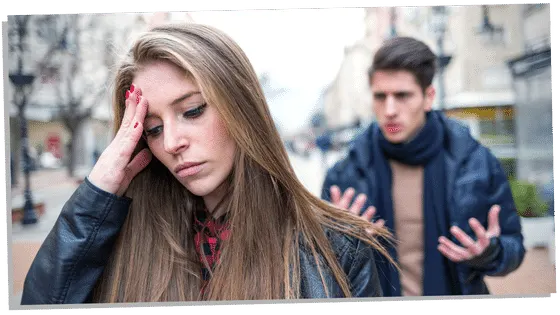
[53,145]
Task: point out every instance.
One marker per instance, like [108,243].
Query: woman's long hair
[270,213]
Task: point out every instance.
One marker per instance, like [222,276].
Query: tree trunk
[72,154]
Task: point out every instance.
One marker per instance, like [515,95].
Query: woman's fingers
[131,100]
[138,163]
[132,127]
[114,170]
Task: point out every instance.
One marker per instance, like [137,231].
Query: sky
[301,50]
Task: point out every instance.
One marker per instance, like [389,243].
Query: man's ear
[429,96]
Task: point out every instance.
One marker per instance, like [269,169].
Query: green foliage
[527,199]
[509,166]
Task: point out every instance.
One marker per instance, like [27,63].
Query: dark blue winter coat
[475,182]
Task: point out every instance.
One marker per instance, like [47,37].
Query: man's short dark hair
[409,54]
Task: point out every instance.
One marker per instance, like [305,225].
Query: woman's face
[184,132]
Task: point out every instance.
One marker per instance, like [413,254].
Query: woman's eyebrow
[184,97]
[176,101]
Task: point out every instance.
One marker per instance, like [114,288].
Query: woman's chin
[198,189]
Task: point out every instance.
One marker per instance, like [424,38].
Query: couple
[195,198]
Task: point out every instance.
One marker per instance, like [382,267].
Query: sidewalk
[53,187]
[536,275]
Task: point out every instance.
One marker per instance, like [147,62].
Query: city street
[536,276]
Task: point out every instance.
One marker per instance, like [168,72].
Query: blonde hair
[270,213]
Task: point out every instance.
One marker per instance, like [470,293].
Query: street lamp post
[21,82]
[439,25]
[490,32]
[393,22]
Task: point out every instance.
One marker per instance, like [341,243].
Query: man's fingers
[346,198]
[358,204]
[379,223]
[461,252]
[480,232]
[471,246]
[449,253]
[462,237]
[335,194]
[458,252]
[494,221]
[368,214]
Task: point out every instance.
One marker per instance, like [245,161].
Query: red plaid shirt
[210,233]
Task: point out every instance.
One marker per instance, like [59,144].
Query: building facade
[102,39]
[531,72]
[480,90]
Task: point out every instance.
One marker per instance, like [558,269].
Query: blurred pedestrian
[195,198]
[443,194]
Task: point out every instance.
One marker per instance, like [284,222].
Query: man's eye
[379,97]
[402,95]
[193,113]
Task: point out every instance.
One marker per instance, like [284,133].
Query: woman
[195,198]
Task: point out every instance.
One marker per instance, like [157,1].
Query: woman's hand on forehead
[114,169]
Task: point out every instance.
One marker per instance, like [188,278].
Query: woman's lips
[190,170]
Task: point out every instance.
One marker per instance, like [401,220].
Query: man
[443,195]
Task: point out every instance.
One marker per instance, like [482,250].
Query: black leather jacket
[72,258]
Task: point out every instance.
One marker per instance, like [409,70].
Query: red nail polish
[127,94]
[131,88]
[136,125]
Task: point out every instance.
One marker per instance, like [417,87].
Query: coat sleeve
[510,241]
[342,174]
[72,257]
[330,179]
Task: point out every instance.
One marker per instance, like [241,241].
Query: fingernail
[136,125]
[131,88]
[127,94]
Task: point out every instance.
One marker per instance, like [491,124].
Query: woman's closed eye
[190,114]
[195,112]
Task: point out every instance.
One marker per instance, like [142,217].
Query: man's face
[399,104]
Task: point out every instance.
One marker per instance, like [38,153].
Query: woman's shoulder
[344,244]
[346,247]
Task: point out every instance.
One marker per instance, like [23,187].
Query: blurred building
[348,98]
[531,71]
[479,87]
[102,39]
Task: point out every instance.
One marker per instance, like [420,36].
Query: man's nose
[390,106]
